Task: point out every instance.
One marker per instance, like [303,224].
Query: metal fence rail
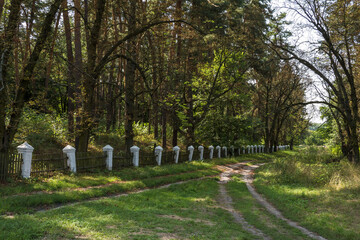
[10,165]
[147,159]
[121,159]
[48,163]
[86,161]
[183,156]
[167,157]
[196,155]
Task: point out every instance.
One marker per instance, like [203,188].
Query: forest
[185,119]
[195,72]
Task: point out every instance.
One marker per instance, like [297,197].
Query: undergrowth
[312,189]
[315,167]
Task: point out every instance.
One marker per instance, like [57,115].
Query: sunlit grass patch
[186,211]
[257,215]
[23,204]
[322,195]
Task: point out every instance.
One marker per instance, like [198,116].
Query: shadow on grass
[332,214]
[182,211]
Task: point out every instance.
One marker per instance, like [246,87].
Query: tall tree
[22,92]
[332,22]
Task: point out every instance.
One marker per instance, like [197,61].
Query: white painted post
[176,149]
[135,152]
[252,148]
[201,149]
[218,148]
[259,148]
[26,151]
[239,150]
[70,153]
[255,149]
[109,156]
[191,152]
[211,148]
[248,149]
[232,151]
[158,154]
[225,151]
[244,149]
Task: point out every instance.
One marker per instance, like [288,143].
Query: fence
[48,163]
[86,161]
[121,159]
[11,165]
[147,159]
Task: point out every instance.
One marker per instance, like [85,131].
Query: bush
[41,130]
[313,167]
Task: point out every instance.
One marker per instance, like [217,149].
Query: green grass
[92,220]
[62,182]
[81,180]
[320,195]
[257,215]
[26,196]
[29,203]
[181,211]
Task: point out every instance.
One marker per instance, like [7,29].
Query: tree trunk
[90,79]
[70,64]
[78,68]
[175,128]
[130,81]
[6,47]
[23,90]
[177,36]
[163,129]
[1,8]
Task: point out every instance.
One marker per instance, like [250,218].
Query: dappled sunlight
[156,213]
[311,189]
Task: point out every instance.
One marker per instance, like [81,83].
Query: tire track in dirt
[248,176]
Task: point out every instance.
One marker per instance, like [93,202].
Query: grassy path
[247,173]
[186,205]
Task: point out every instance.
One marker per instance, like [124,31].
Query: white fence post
[191,152]
[70,152]
[158,154]
[218,148]
[26,151]
[201,149]
[109,156]
[135,151]
[176,149]
[244,149]
[211,148]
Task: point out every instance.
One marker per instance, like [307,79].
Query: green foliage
[42,131]
[227,130]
